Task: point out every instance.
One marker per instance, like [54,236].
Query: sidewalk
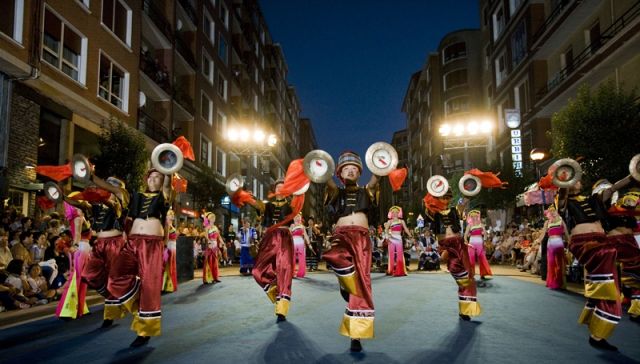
[95,301]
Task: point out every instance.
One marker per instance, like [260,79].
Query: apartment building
[446,90]
[164,67]
[538,53]
[402,198]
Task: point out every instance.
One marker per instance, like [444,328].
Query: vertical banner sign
[516,152]
[512,119]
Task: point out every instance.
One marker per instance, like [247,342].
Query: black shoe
[356,347]
[281,318]
[106,323]
[216,281]
[635,318]
[139,341]
[465,317]
[601,344]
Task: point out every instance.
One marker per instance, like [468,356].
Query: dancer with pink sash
[474,234]
[170,276]
[393,230]
[300,242]
[210,272]
[72,304]
[556,261]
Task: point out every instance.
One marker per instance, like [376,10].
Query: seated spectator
[5,252]
[38,286]
[18,280]
[9,296]
[38,247]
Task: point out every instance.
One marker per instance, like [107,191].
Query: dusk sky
[350,61]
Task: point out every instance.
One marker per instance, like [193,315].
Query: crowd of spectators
[34,259]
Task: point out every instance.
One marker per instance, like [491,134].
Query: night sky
[350,61]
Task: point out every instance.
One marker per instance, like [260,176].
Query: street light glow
[258,136]
[445,129]
[473,127]
[458,129]
[537,154]
[232,135]
[485,127]
[272,140]
[245,135]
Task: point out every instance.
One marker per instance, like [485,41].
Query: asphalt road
[416,322]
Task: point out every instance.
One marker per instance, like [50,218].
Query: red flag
[185,147]
[433,204]
[57,173]
[397,177]
[488,179]
[44,203]
[179,183]
[241,197]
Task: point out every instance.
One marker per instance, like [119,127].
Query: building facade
[164,67]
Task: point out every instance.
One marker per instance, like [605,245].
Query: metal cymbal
[318,166]
[381,158]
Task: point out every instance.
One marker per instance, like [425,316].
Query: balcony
[152,128]
[155,70]
[189,10]
[592,50]
[185,101]
[185,51]
[157,18]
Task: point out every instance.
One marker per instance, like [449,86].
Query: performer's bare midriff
[588,228]
[148,226]
[109,233]
[447,234]
[620,230]
[356,218]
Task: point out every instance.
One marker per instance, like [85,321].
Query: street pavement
[416,322]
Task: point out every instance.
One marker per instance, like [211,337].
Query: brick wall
[24,128]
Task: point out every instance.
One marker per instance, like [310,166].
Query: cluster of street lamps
[245,135]
[469,128]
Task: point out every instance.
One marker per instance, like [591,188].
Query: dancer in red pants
[210,272]
[474,235]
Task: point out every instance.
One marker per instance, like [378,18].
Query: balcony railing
[185,50]
[152,128]
[152,67]
[191,12]
[158,18]
[591,49]
[184,100]
[551,18]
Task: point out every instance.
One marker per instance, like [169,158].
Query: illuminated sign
[516,151]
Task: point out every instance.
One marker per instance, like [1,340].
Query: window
[454,51]
[222,86]
[566,60]
[456,105]
[221,123]
[521,96]
[222,49]
[501,69]
[594,37]
[256,103]
[224,15]
[518,44]
[206,108]
[207,66]
[116,16]
[221,162]
[455,78]
[12,24]
[514,5]
[499,23]
[114,83]
[205,150]
[209,27]
[261,191]
[63,47]
[84,2]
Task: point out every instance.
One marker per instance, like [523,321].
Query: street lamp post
[465,135]
[250,143]
[537,155]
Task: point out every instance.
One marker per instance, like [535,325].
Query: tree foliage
[123,154]
[600,125]
[205,188]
